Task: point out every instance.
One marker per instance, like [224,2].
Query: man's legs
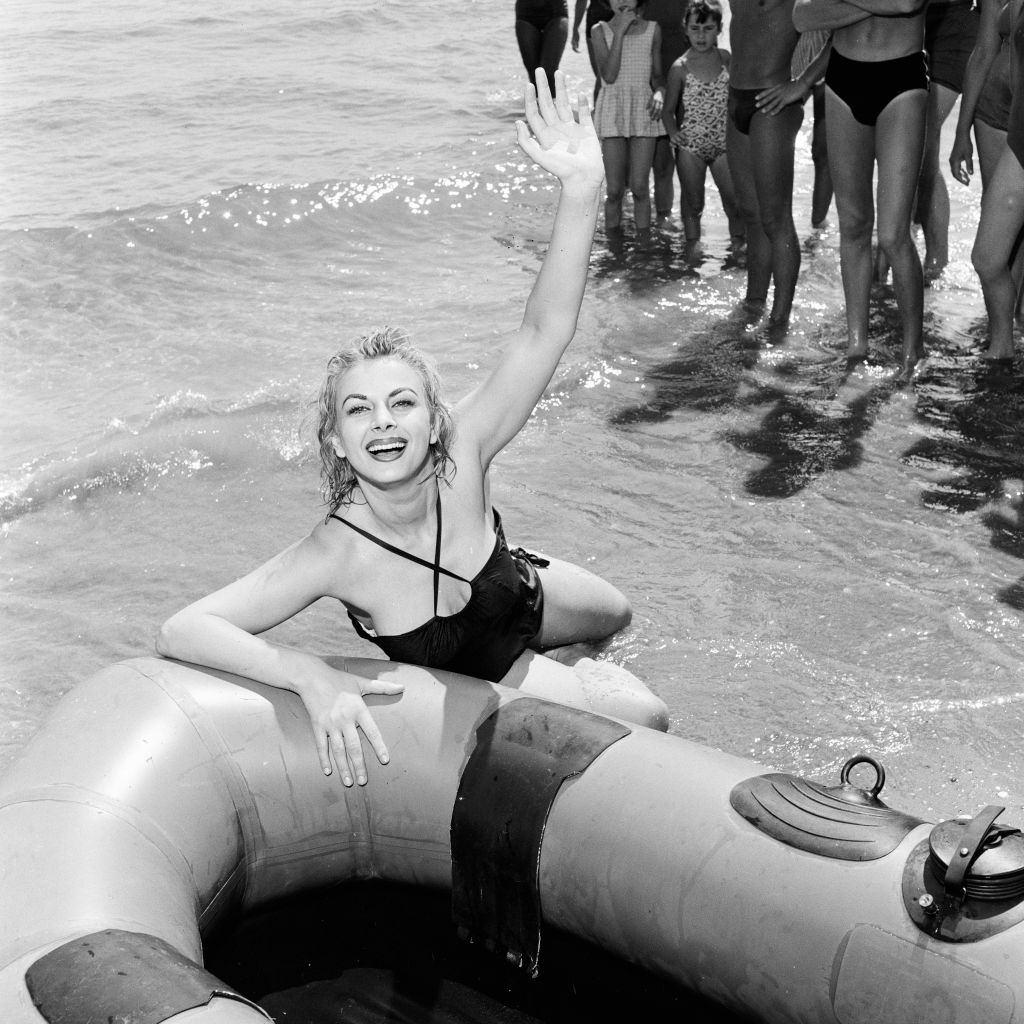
[772,143]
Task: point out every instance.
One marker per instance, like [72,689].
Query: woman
[876,97]
[1002,211]
[985,107]
[411,526]
[542,27]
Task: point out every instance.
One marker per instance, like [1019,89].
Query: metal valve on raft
[965,882]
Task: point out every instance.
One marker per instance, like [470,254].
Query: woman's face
[384,422]
[703,35]
[620,6]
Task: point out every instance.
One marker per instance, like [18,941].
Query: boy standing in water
[765,112]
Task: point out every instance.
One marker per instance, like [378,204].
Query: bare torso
[762,38]
[881,38]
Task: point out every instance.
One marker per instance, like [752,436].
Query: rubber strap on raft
[524,752]
[121,976]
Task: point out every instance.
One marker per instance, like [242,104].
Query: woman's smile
[387,449]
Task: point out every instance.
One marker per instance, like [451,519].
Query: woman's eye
[406,402]
[354,410]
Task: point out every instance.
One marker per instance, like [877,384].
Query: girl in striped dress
[627,50]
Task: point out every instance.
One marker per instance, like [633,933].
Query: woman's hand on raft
[567,148]
[337,713]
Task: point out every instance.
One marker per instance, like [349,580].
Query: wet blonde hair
[337,481]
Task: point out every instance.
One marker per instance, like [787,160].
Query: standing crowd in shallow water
[884,76]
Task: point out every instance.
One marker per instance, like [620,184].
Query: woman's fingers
[562,104]
[353,753]
[323,751]
[544,102]
[586,120]
[380,686]
[374,738]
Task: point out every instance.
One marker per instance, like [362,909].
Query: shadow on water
[976,447]
[819,412]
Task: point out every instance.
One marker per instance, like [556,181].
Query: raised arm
[809,15]
[220,631]
[986,46]
[491,415]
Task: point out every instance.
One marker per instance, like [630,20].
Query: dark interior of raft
[374,952]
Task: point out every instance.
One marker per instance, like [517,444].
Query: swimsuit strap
[435,566]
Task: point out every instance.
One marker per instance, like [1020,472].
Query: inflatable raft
[161,799]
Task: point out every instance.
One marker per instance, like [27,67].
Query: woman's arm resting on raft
[219,631]
[491,415]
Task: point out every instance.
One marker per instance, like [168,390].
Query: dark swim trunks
[742,108]
[868,87]
[950,30]
[499,622]
[539,13]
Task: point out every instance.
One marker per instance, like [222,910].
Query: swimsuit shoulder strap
[435,566]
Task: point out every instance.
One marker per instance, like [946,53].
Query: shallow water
[201,202]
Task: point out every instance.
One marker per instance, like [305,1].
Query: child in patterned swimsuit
[694,116]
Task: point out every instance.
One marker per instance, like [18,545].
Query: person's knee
[641,190]
[777,223]
[617,611]
[986,265]
[892,241]
[856,227]
[616,191]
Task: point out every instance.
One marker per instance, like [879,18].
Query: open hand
[568,149]
[337,712]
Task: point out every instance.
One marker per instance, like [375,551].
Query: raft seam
[227,768]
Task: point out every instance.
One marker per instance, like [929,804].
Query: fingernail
[362,780]
[385,757]
[327,771]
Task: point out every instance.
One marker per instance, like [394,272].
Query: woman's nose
[383,418]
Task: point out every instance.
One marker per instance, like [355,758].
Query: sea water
[203,200]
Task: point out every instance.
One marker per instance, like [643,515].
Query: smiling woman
[404,476]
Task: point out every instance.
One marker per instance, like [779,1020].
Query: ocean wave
[277,212]
[185,434]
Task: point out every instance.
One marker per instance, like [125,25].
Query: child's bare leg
[616,167]
[692,172]
[641,157]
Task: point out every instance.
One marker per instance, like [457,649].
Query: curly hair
[337,481]
[704,11]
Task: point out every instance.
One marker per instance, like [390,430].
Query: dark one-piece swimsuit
[499,621]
